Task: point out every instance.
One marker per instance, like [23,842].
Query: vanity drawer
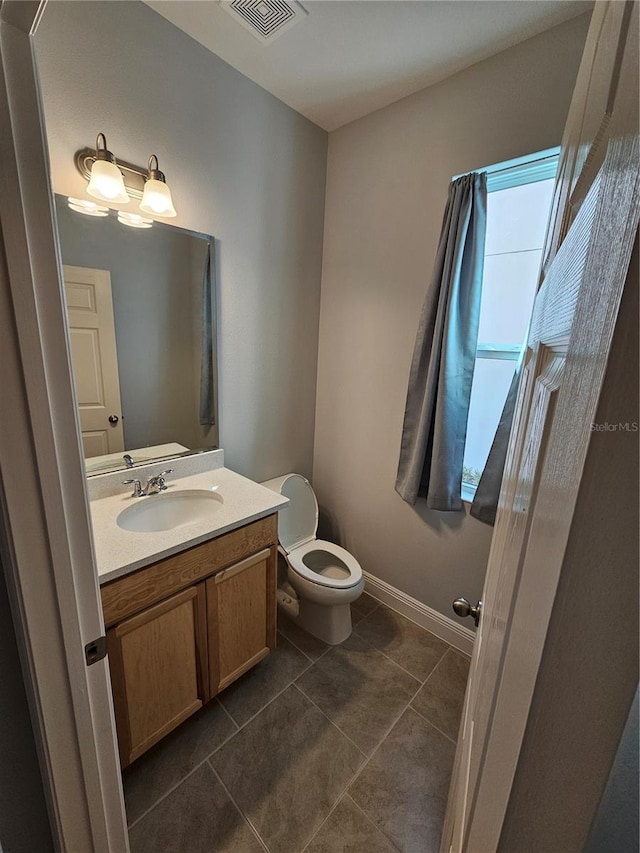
[132,593]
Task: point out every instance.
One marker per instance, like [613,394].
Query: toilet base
[330,624]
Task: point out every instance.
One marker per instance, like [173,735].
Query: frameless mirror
[141,312]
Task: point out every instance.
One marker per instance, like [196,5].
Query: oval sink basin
[168,511]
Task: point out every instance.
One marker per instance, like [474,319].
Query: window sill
[468,493]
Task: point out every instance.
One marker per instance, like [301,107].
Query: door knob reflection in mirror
[113,419]
[462,607]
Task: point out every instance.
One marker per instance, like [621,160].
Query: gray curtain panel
[437,408]
[208,347]
[485,501]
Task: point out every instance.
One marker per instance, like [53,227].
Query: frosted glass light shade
[156,199]
[106,183]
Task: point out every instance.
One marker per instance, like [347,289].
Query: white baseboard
[443,627]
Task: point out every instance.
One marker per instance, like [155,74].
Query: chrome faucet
[137,488]
[154,485]
[128,460]
[157,484]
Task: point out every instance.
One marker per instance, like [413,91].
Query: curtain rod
[516,163]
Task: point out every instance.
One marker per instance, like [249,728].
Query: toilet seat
[297,563]
[297,528]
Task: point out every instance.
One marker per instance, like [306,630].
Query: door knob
[113,419]
[462,607]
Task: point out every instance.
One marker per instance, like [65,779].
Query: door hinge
[95,650]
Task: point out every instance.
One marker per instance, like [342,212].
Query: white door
[95,360]
[590,239]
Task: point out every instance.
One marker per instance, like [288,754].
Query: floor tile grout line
[396,719]
[441,658]
[387,731]
[422,628]
[395,722]
[260,710]
[324,820]
[335,725]
[431,723]
[214,751]
[417,624]
[244,816]
[361,770]
[343,793]
[373,609]
[166,794]
[409,619]
[391,660]
[422,681]
[228,714]
[368,819]
[289,640]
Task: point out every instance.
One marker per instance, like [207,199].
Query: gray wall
[155,296]
[24,824]
[387,182]
[242,166]
[616,824]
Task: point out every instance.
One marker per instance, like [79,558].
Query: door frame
[45,531]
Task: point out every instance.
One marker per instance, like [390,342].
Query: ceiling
[347,58]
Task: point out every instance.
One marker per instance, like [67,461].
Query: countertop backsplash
[105,485]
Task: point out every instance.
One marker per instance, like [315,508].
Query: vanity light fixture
[106,182]
[117,182]
[156,198]
[89,208]
[133,220]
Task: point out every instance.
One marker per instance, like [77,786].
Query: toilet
[323,578]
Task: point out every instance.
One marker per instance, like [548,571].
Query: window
[518,204]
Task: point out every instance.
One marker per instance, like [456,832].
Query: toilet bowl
[323,578]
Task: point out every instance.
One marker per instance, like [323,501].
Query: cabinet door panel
[159,664]
[241,616]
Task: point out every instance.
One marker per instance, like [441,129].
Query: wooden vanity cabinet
[159,671]
[186,627]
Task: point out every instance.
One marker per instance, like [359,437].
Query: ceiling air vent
[265,19]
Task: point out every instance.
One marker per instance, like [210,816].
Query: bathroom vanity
[188,609]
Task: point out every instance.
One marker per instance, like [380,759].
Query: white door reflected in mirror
[95,361]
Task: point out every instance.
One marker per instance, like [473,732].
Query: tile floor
[318,749]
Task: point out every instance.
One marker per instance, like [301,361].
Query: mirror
[141,311]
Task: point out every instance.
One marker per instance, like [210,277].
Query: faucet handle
[160,478]
[137,487]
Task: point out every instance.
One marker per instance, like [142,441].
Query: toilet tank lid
[298,520]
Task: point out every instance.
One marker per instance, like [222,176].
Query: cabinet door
[158,663]
[241,609]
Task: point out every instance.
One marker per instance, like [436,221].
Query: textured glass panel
[508,289]
[491,381]
[517,217]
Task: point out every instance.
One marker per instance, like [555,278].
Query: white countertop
[121,551]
